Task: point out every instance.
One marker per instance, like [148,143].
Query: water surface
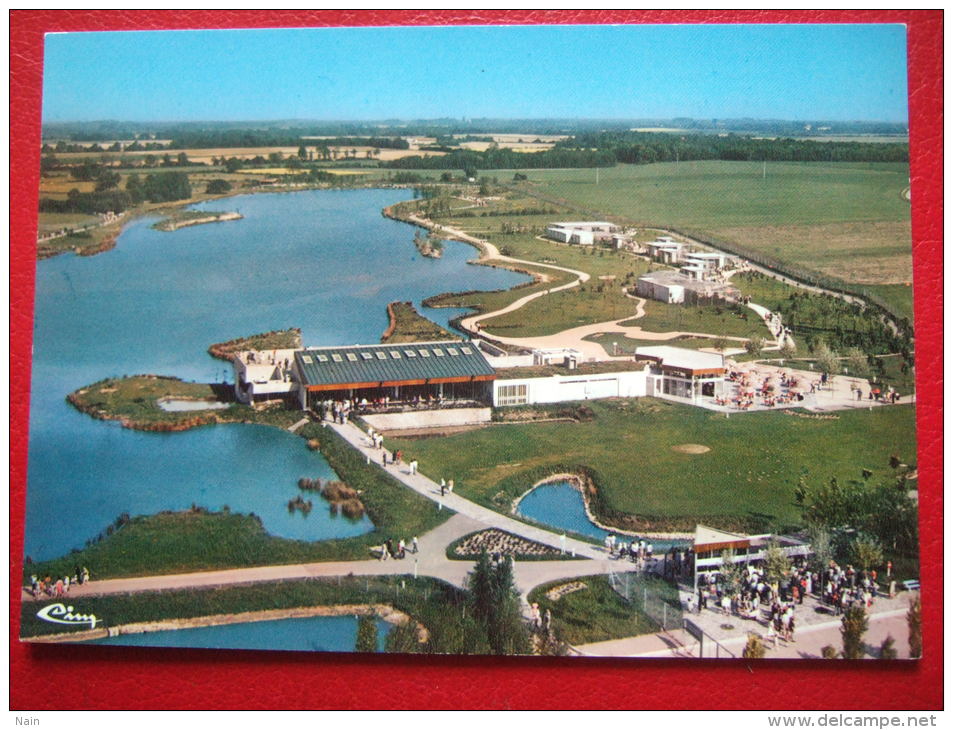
[326,261]
[317,633]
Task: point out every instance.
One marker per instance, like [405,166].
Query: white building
[570,387]
[681,374]
[583,233]
[263,376]
[675,287]
[665,250]
[710,544]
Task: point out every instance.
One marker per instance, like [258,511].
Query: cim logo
[57,613]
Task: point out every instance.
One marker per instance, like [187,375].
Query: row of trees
[506,159]
[646,147]
[154,188]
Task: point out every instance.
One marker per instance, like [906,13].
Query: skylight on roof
[367,356]
[466,350]
[395,355]
[322,358]
[410,353]
[352,357]
[452,351]
[337,357]
[306,359]
[438,352]
[381,355]
[423,352]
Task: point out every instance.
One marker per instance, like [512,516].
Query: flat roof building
[580,232]
[674,287]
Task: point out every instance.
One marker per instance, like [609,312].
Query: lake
[316,633]
[326,261]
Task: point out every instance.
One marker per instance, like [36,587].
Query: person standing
[415,545]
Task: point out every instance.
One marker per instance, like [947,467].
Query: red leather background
[75,677]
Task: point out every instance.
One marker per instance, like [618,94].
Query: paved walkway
[431,560]
[816,629]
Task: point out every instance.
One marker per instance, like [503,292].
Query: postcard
[585,341]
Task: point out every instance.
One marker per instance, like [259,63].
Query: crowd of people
[390,551]
[636,551]
[759,600]
[55,588]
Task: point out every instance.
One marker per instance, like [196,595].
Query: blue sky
[834,72]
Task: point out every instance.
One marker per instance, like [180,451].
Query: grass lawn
[598,613]
[745,481]
[191,541]
[710,194]
[408,325]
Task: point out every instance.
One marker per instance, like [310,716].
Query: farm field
[206,154]
[718,194]
[746,480]
[846,220]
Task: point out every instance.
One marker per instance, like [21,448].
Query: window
[438,352]
[410,353]
[395,355]
[337,358]
[424,353]
[381,355]
[351,357]
[367,356]
[322,358]
[306,359]
[452,351]
[512,395]
[466,351]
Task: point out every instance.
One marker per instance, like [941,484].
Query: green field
[747,479]
[718,194]
[598,613]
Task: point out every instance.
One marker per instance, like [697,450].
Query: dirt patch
[691,449]
[423,433]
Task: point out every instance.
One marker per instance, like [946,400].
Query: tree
[446,177]
[865,550]
[857,362]
[730,573]
[887,649]
[915,626]
[720,344]
[302,153]
[822,548]
[754,649]
[403,639]
[495,605]
[218,187]
[853,628]
[776,564]
[366,634]
[754,346]
[827,361]
[788,349]
[828,652]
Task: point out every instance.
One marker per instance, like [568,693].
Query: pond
[326,261]
[316,633]
[560,505]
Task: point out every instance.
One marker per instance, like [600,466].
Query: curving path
[430,561]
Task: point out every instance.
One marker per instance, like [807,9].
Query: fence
[644,597]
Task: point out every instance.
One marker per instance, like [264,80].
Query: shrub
[754,649]
[829,652]
[887,650]
[915,624]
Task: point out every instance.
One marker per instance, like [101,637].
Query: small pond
[177,405]
[560,505]
[316,633]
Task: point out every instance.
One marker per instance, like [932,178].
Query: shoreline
[579,483]
[382,611]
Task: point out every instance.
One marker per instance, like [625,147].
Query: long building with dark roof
[424,370]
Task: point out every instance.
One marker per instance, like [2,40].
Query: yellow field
[515,146]
[58,187]
[271,171]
